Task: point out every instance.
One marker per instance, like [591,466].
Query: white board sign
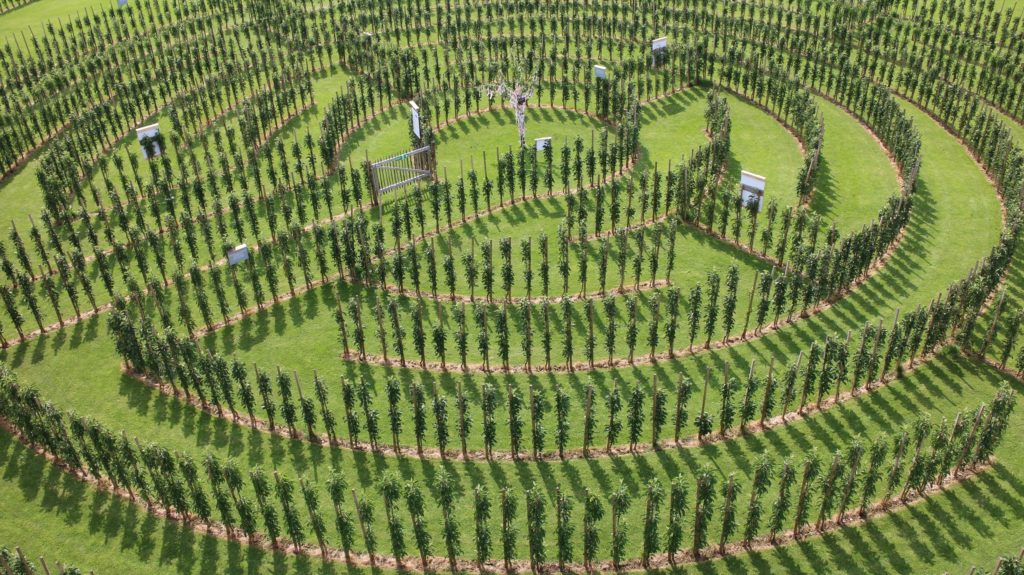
[415,118]
[543,143]
[657,45]
[752,189]
[600,72]
[122,2]
[147,135]
[238,255]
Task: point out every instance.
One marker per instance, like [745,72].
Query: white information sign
[148,140]
[600,72]
[657,45]
[752,189]
[543,143]
[238,255]
[415,118]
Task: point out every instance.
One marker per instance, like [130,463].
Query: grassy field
[955,221]
[953,185]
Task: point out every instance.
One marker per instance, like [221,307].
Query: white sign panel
[657,45]
[543,143]
[600,72]
[415,118]
[238,255]
[752,189]
[147,136]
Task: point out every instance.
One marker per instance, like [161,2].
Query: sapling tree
[393,391]
[421,534]
[684,390]
[760,482]
[732,281]
[811,470]
[489,405]
[562,406]
[515,420]
[614,405]
[651,540]
[676,515]
[876,458]
[703,510]
[784,499]
[517,87]
[830,484]
[854,457]
[481,530]
[444,486]
[727,411]
[619,501]
[564,528]
[711,315]
[730,491]
[694,311]
[593,512]
[748,406]
[635,416]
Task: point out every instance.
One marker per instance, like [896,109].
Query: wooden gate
[401,170]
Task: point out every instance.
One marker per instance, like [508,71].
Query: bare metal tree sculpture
[518,88]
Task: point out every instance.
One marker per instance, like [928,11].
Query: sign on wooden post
[415,118]
[149,140]
[657,46]
[239,254]
[543,143]
[752,189]
[600,72]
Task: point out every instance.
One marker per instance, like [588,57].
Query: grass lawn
[34,16]
[855,176]
[50,513]
[954,222]
[120,402]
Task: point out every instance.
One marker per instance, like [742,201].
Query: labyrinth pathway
[574,341]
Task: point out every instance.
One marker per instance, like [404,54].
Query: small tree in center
[518,87]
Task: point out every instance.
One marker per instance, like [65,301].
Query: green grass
[120,402]
[954,223]
[855,176]
[33,17]
[55,515]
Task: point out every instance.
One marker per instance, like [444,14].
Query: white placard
[238,255]
[752,189]
[122,2]
[600,72]
[657,45]
[368,36]
[415,118]
[543,143]
[149,132]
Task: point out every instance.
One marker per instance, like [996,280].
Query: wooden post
[654,412]
[750,305]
